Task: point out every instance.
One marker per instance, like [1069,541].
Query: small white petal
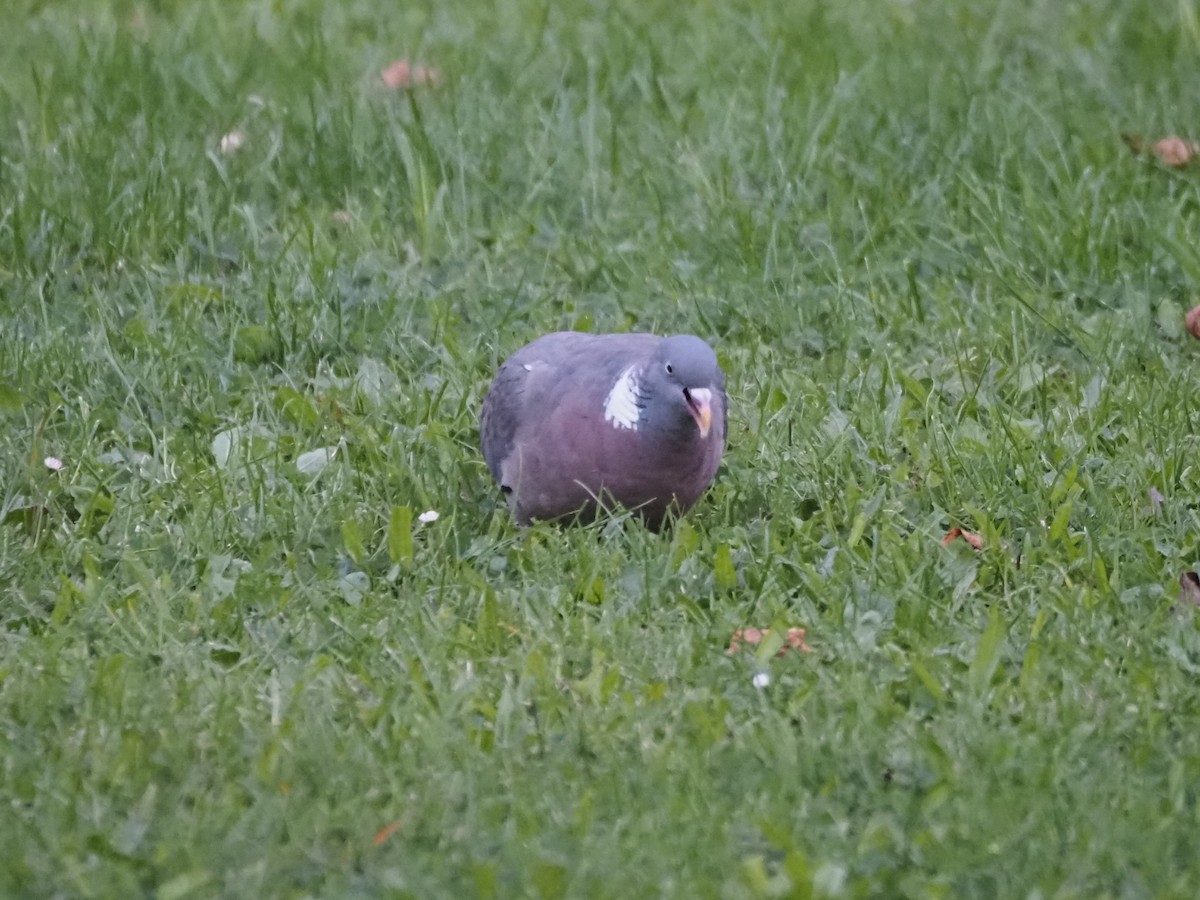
[761,679]
[430,515]
[232,142]
[54,464]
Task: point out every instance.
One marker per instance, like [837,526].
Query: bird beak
[699,401]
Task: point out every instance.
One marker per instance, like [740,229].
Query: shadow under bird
[574,422]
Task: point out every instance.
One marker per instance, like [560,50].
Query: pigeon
[575,422]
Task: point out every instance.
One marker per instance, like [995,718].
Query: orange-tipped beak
[699,400]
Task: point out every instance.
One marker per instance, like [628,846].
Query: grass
[944,293]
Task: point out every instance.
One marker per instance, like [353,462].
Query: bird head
[685,369]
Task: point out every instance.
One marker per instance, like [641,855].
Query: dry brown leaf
[384,833]
[402,75]
[1134,142]
[1192,320]
[1189,587]
[750,637]
[970,537]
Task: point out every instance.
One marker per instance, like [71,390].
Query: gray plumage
[575,420]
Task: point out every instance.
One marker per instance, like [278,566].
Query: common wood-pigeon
[577,421]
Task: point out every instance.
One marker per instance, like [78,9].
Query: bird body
[577,421]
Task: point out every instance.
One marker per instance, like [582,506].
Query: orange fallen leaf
[1189,587]
[402,75]
[384,833]
[1192,320]
[795,641]
[750,637]
[1173,151]
[970,537]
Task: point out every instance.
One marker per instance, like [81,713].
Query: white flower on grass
[761,679]
[225,445]
[430,515]
[54,464]
[232,142]
[312,462]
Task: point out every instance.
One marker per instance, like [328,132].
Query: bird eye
[670,369]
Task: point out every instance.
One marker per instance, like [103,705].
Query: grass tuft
[251,298]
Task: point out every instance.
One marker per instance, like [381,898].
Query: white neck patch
[622,406]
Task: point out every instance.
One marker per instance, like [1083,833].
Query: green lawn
[945,295]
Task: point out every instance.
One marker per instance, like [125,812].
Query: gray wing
[537,377]
[502,408]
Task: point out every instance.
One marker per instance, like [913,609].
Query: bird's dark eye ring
[670,369]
